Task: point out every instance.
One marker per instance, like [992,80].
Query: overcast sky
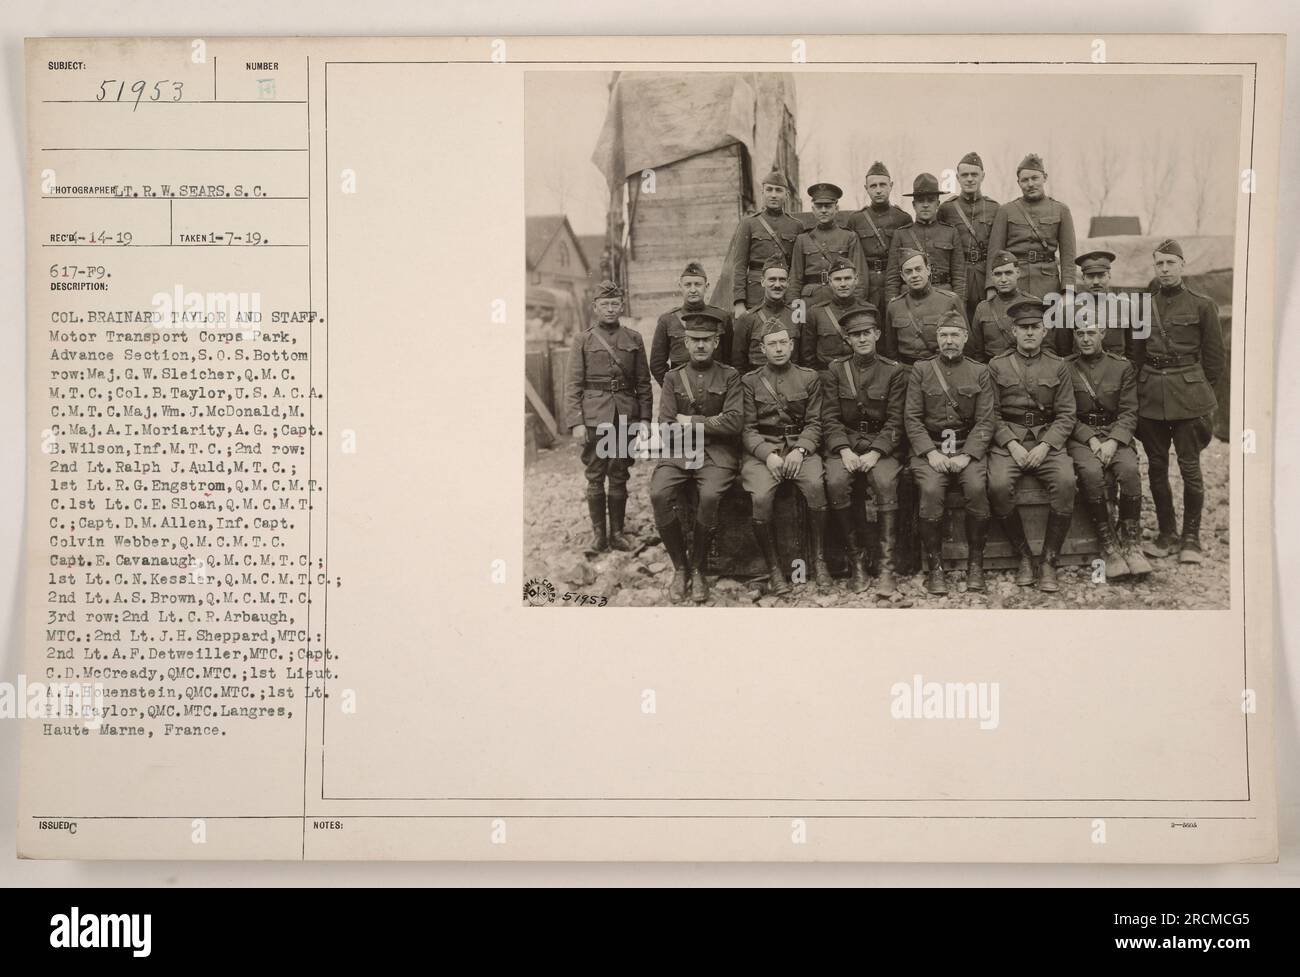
[917,122]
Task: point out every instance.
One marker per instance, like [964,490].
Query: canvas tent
[682,154]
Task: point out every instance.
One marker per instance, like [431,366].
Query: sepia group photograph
[870,339]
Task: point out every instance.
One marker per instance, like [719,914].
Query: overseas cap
[1169,246]
[1032,162]
[608,290]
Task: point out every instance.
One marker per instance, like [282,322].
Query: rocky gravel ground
[557,530]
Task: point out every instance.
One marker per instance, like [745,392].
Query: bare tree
[1101,165]
[901,165]
[1201,172]
[857,168]
[1005,185]
[1158,174]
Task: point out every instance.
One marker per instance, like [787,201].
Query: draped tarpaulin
[658,117]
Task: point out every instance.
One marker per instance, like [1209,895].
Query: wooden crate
[1080,546]
[735,553]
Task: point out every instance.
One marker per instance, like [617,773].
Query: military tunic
[1120,318]
[752,245]
[875,228]
[668,348]
[991,330]
[824,338]
[601,389]
[747,336]
[973,221]
[911,321]
[1105,396]
[715,401]
[862,410]
[1041,236]
[1035,403]
[933,423]
[942,247]
[793,418]
[1178,365]
[813,251]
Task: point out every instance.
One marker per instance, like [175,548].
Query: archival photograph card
[899,424]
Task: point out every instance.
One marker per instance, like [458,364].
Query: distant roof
[593,248]
[540,230]
[1109,226]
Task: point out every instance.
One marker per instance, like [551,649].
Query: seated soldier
[862,420]
[1036,415]
[949,420]
[783,427]
[706,396]
[1105,393]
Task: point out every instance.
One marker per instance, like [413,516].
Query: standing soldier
[1178,364]
[769,233]
[911,320]
[938,241]
[949,419]
[814,249]
[783,429]
[1039,231]
[1036,416]
[971,214]
[875,225]
[705,396]
[1105,396]
[609,380]
[668,348]
[747,337]
[991,330]
[825,338]
[862,416]
[1114,311]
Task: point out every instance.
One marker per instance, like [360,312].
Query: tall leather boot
[1058,525]
[1116,565]
[859,581]
[1130,534]
[932,544]
[1189,545]
[1014,529]
[1166,541]
[675,544]
[887,527]
[596,509]
[700,586]
[821,572]
[776,581]
[977,531]
[617,512]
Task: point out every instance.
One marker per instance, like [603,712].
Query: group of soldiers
[969,377]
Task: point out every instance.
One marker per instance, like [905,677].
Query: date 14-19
[138,88]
